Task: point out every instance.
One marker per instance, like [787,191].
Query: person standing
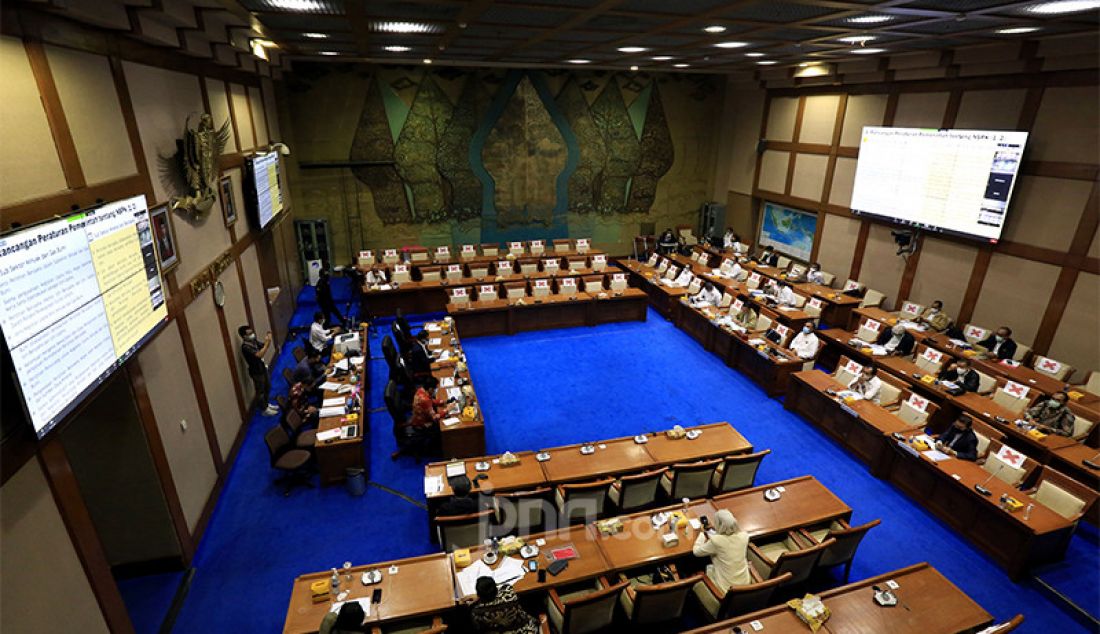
[324,296]
[253,352]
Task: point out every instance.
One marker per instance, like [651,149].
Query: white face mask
[806,331]
[999,338]
[250,336]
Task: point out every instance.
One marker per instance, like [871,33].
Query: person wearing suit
[768,257]
[460,503]
[1000,344]
[666,244]
[867,385]
[934,317]
[959,440]
[1052,415]
[897,341]
[960,373]
[420,358]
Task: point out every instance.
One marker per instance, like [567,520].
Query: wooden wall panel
[773,171]
[746,133]
[1015,294]
[809,175]
[844,177]
[819,119]
[235,316]
[218,98]
[781,118]
[93,112]
[943,273]
[1067,127]
[838,240]
[216,374]
[1042,211]
[270,110]
[1077,340]
[990,109]
[920,109]
[35,170]
[256,108]
[257,297]
[863,110]
[238,100]
[882,268]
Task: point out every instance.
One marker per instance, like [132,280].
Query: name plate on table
[454,268]
[443,251]
[390,253]
[459,292]
[468,248]
[542,283]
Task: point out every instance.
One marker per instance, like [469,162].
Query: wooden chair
[515,290]
[562,245]
[505,268]
[1013,476]
[1011,402]
[737,471]
[583,502]
[775,557]
[454,273]
[986,435]
[585,610]
[1062,494]
[515,249]
[723,604]
[910,311]
[689,479]
[536,247]
[479,270]
[846,540]
[869,330]
[636,491]
[431,273]
[463,531]
[842,374]
[418,254]
[914,409]
[488,292]
[1051,368]
[490,249]
[577,263]
[873,298]
[593,284]
[551,265]
[645,602]
[528,266]
[928,359]
[523,512]
[973,333]
[1092,383]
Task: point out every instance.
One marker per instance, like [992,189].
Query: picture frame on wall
[229,209]
[164,237]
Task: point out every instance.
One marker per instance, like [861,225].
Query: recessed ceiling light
[715,28]
[731,44]
[767,62]
[579,61]
[327,53]
[397,49]
[1017,30]
[632,49]
[295,5]
[855,39]
[681,65]
[754,55]
[870,19]
[404,27]
[661,58]
[867,51]
[1064,6]
[427,60]
[315,36]
[633,68]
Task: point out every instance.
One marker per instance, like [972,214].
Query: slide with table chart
[79,296]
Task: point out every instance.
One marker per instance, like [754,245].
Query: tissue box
[319,590]
[811,611]
[609,527]
[461,557]
[1012,504]
[670,539]
[1036,434]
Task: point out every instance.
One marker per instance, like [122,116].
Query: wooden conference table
[465,437]
[508,316]
[426,585]
[928,603]
[334,457]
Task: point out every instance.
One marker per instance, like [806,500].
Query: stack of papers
[509,571]
[336,401]
[433,327]
[342,364]
[435,342]
[433,485]
[345,388]
[454,392]
[451,422]
[446,354]
[878,351]
[328,412]
[329,434]
[384,287]
[330,385]
[935,455]
[364,603]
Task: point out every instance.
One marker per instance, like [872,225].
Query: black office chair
[389,353]
[404,344]
[291,461]
[395,406]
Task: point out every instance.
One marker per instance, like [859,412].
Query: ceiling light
[264,43]
[427,60]
[632,49]
[731,44]
[767,62]
[315,36]
[870,19]
[327,53]
[1064,6]
[754,55]
[856,39]
[296,5]
[1017,30]
[867,51]
[715,28]
[680,65]
[579,61]
[404,27]
[397,48]
[661,58]
[633,68]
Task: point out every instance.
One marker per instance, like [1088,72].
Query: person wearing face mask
[961,374]
[666,244]
[377,276]
[934,317]
[806,343]
[730,269]
[785,295]
[814,274]
[1000,344]
[768,257]
[1052,416]
[867,384]
[707,296]
[684,279]
[959,440]
[253,352]
[319,336]
[897,341]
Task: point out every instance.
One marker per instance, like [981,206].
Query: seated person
[727,546]
[747,317]
[707,296]
[298,400]
[959,441]
[805,343]
[1052,416]
[730,238]
[961,374]
[867,384]
[730,269]
[1000,344]
[934,317]
[377,276]
[684,279]
[667,243]
[347,620]
[768,257]
[497,610]
[460,503]
[420,358]
[309,371]
[785,296]
[814,274]
[897,341]
[423,425]
[319,336]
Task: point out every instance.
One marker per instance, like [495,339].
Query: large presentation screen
[789,231]
[950,181]
[78,296]
[268,193]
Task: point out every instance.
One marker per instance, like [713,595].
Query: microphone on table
[1091,462]
[980,488]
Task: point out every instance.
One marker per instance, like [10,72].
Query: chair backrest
[1001,469]
[576,264]
[540,288]
[890,392]
[663,601]
[1059,500]
[753,281]
[480,269]
[567,286]
[853,285]
[418,255]
[515,290]
[506,267]
[828,278]
[467,252]
[515,248]
[662,265]
[551,265]
[618,282]
[442,253]
[738,471]
[812,307]
[299,353]
[929,359]
[529,267]
[1081,427]
[1051,368]
[584,501]
[593,285]
[799,300]
[293,421]
[562,245]
[869,330]
[1022,352]
[1010,401]
[389,256]
[846,371]
[872,298]
[487,292]
[797,270]
[800,563]
[692,479]
[986,434]
[277,441]
[846,541]
[1092,383]
[974,334]
[763,322]
[599,262]
[462,531]
[537,247]
[726,300]
[695,256]
[672,272]
[915,410]
[639,490]
[910,311]
[782,262]
[393,404]
[490,249]
[591,612]
[986,383]
[454,272]
[401,273]
[430,273]
[751,597]
[524,511]
[459,295]
[694,286]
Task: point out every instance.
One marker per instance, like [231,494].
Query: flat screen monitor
[956,182]
[787,230]
[79,295]
[263,188]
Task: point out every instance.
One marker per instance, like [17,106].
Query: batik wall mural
[441,156]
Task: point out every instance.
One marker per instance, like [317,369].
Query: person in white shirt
[684,280]
[786,295]
[814,275]
[320,337]
[730,269]
[867,384]
[707,296]
[376,277]
[727,546]
[805,343]
[729,239]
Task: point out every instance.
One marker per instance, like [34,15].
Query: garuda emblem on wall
[197,157]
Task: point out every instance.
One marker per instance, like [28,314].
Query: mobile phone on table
[533,565]
[376,596]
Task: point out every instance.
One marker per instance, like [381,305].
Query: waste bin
[356,481]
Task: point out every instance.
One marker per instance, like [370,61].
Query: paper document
[454,392]
[357,361]
[878,351]
[435,342]
[329,434]
[451,422]
[433,327]
[345,388]
[455,469]
[364,602]
[330,385]
[510,570]
[327,412]
[446,354]
[756,341]
[850,394]
[335,401]
[447,382]
[384,287]
[935,456]
[342,364]
[433,485]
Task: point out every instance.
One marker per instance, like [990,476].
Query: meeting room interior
[550,316]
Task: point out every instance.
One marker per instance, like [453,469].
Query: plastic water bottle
[1027,512]
[335,582]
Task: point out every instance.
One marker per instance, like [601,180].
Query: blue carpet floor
[550,388]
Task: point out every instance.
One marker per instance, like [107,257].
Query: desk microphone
[1091,462]
[980,488]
